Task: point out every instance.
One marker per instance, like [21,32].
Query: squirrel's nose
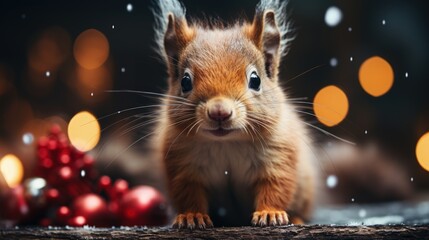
[219,115]
[219,111]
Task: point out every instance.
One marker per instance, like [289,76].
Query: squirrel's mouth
[220,132]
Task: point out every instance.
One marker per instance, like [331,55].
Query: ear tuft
[172,32]
[162,10]
[270,33]
[278,9]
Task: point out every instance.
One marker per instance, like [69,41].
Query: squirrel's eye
[186,83]
[254,82]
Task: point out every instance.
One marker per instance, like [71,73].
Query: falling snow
[331,181]
[82,173]
[221,212]
[226,172]
[362,213]
[383,22]
[366,131]
[406,74]
[412,179]
[350,29]
[351,59]
[113,26]
[48,73]
[123,69]
[119,112]
[333,16]
[27,138]
[129,7]
[353,200]
[92,94]
[333,62]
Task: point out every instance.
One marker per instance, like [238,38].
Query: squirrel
[234,150]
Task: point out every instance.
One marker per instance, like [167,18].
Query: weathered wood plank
[286,232]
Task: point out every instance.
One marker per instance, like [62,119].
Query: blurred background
[366,60]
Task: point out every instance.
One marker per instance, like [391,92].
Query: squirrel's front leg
[190,200]
[273,195]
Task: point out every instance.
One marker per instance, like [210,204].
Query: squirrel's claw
[187,220]
[269,218]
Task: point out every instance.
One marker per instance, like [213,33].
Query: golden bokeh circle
[91,49]
[330,105]
[422,151]
[12,169]
[84,131]
[376,76]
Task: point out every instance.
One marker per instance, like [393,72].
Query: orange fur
[263,158]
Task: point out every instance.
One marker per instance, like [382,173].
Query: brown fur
[264,160]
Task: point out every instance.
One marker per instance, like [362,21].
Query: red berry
[65,173]
[105,182]
[52,195]
[64,159]
[43,142]
[119,189]
[52,145]
[55,129]
[63,214]
[77,221]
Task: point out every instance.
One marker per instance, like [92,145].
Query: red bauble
[143,206]
[63,214]
[14,205]
[93,208]
[78,221]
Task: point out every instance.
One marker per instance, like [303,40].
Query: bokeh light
[83,82]
[376,76]
[12,170]
[16,114]
[422,151]
[91,49]
[333,16]
[129,7]
[84,131]
[39,127]
[27,138]
[46,55]
[331,181]
[5,80]
[50,50]
[330,105]
[96,79]
[333,62]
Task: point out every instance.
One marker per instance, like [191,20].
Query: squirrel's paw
[192,220]
[272,218]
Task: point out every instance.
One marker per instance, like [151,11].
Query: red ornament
[65,173]
[73,196]
[63,214]
[14,205]
[93,208]
[52,195]
[143,206]
[45,222]
[78,221]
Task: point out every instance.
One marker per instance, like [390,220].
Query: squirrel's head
[223,81]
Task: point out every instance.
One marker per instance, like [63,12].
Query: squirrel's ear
[266,36]
[177,36]
[268,32]
[173,33]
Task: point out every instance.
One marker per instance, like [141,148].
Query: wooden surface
[400,220]
[287,232]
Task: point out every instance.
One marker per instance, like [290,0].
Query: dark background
[395,120]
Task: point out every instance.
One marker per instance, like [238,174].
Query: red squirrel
[233,148]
